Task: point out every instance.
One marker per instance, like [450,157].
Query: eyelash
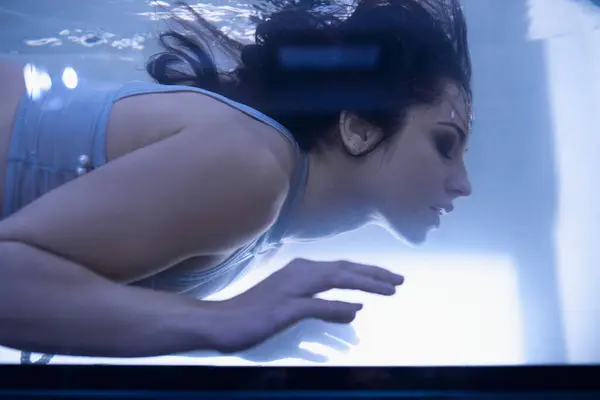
[445,145]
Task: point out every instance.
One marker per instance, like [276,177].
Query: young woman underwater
[124,205]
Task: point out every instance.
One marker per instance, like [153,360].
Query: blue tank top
[205,282]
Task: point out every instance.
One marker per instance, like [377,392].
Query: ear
[358,136]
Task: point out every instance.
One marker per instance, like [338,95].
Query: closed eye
[462,136]
[446,144]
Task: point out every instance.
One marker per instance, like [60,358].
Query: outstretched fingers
[351,276]
[313,308]
[378,273]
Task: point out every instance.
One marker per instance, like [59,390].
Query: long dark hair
[429,39]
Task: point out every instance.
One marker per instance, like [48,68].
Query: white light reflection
[37,81]
[70,78]
[452,310]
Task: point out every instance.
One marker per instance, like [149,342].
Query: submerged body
[65,133]
[105,186]
[118,198]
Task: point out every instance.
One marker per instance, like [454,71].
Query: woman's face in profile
[421,171]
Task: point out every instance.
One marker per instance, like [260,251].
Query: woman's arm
[202,191]
[51,305]
[61,256]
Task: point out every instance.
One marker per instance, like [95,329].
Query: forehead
[452,105]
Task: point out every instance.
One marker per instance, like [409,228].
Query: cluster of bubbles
[233,19]
[77,36]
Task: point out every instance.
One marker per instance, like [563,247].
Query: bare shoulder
[228,143]
[209,186]
[140,120]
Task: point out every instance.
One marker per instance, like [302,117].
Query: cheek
[396,185]
[408,175]
[421,178]
[422,166]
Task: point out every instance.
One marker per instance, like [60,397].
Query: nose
[459,184]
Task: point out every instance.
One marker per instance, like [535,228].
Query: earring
[452,115]
[354,146]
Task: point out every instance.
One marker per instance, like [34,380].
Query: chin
[412,236]
[415,239]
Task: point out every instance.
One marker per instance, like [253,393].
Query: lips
[443,210]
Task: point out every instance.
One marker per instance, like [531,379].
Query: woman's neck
[330,204]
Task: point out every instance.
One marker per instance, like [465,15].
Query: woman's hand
[288,297]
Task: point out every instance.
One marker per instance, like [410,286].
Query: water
[513,277]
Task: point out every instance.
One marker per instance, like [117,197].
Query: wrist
[206,325]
